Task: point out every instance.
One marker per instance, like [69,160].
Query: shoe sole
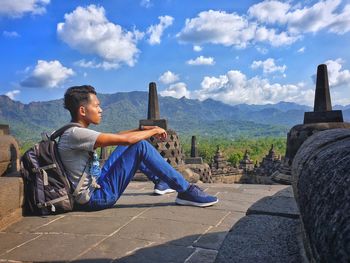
[163,192]
[186,202]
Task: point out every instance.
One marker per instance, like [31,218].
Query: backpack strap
[82,179]
[59,133]
[61,130]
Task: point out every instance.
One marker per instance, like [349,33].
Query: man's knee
[142,144]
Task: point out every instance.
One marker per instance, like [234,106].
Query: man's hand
[161,133]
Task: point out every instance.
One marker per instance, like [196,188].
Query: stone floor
[148,228]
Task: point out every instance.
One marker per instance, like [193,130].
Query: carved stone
[9,153]
[269,164]
[322,118]
[246,163]
[223,172]
[322,105]
[321,184]
[153,104]
[153,116]
[194,150]
[299,133]
[194,159]
[4,129]
[170,148]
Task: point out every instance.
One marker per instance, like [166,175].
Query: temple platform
[251,223]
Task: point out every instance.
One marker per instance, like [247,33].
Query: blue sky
[253,52]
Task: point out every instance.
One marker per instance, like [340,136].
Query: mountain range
[208,118]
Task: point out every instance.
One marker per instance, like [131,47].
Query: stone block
[9,155]
[323,116]
[186,214]
[11,199]
[53,247]
[262,238]
[213,239]
[11,240]
[4,129]
[162,123]
[159,253]
[84,225]
[30,224]
[202,256]
[321,185]
[114,247]
[194,160]
[275,205]
[160,230]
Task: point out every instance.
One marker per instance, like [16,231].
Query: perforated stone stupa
[322,118]
[196,164]
[269,164]
[246,164]
[170,148]
[224,172]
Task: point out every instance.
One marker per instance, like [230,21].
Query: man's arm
[142,128]
[128,137]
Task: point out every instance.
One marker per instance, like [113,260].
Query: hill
[122,111]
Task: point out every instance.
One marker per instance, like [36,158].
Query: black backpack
[47,189]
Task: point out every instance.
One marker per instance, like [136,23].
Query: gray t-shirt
[74,148]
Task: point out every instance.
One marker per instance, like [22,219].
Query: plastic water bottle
[95,170]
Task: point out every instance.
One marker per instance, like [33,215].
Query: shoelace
[196,186]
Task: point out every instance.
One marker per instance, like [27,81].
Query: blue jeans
[122,165]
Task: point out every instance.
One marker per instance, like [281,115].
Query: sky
[253,52]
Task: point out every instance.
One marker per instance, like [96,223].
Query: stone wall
[321,185]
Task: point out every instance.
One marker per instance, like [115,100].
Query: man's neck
[81,122]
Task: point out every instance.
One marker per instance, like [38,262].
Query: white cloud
[10,34]
[341,23]
[92,64]
[302,19]
[89,31]
[17,8]
[262,50]
[197,48]
[269,11]
[12,94]
[234,88]
[229,29]
[268,66]
[177,90]
[156,31]
[47,74]
[201,61]
[264,34]
[277,23]
[168,77]
[146,3]
[336,76]
[301,50]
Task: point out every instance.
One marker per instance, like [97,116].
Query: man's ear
[82,111]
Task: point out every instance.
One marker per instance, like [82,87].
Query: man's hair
[77,96]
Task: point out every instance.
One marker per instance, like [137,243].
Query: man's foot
[162,188]
[196,197]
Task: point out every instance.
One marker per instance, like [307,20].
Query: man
[97,188]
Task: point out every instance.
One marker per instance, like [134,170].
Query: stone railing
[321,185]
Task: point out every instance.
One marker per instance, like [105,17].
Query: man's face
[92,110]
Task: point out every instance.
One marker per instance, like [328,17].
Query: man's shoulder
[82,134]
